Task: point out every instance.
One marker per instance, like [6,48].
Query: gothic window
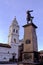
[15,40]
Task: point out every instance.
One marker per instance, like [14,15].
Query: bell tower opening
[14,40]
[14,30]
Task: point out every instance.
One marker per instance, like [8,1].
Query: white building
[11,50]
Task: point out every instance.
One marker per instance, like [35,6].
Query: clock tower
[30,40]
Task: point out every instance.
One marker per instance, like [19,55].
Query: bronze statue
[29,17]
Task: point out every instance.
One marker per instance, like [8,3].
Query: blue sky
[11,8]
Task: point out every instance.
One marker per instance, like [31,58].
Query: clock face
[27,41]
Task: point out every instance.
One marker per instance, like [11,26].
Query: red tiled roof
[5,45]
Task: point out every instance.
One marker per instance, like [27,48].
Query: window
[13,30]
[4,58]
[42,57]
[27,41]
[16,31]
[8,51]
[15,40]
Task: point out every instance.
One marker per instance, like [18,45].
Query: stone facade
[30,42]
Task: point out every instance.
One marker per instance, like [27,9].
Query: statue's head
[28,12]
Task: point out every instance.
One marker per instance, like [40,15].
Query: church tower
[30,40]
[13,32]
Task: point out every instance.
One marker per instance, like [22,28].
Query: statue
[29,17]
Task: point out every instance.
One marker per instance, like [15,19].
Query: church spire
[14,21]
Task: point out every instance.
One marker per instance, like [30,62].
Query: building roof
[41,52]
[5,45]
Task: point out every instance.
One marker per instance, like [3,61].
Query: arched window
[13,30]
[16,31]
[14,40]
